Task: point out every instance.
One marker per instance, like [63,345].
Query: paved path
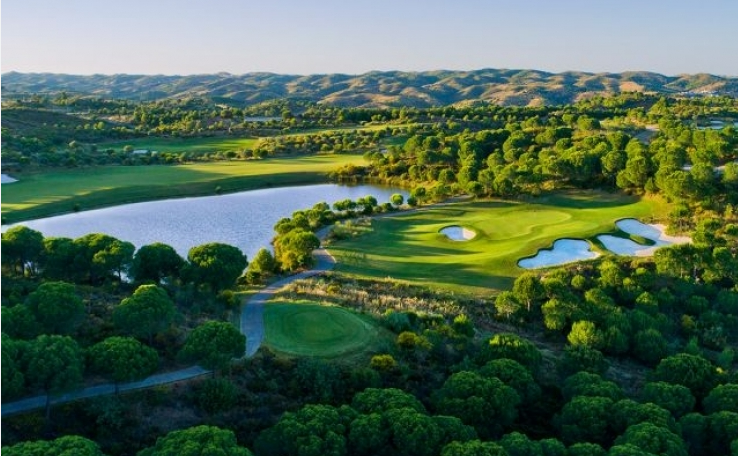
[252,320]
[38,402]
[252,325]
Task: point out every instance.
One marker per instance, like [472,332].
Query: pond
[245,220]
[563,251]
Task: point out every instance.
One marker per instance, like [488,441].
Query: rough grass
[410,246]
[306,328]
[54,192]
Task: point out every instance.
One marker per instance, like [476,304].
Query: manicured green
[307,328]
[195,145]
[48,193]
[410,247]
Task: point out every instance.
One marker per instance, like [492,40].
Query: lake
[245,220]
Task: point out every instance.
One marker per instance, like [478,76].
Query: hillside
[374,89]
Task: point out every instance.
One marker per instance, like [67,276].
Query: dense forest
[616,356]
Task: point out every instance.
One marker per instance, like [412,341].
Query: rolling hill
[373,89]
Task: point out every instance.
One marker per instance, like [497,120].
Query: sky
[181,37]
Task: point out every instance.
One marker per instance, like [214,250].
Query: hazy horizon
[166,37]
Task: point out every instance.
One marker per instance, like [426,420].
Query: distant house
[143,152]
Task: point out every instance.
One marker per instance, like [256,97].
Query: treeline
[74,308]
[562,150]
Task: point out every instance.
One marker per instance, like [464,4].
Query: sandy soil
[458,233]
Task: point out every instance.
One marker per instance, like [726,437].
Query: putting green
[311,329]
[410,246]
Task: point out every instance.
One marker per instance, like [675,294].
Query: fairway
[175,145]
[55,192]
[310,329]
[411,246]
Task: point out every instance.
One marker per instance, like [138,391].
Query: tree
[314,430]
[585,419]
[19,322]
[197,441]
[12,377]
[653,439]
[578,358]
[589,384]
[587,449]
[99,256]
[692,371]
[627,412]
[54,364]
[649,346]
[58,254]
[485,403]
[517,444]
[379,400]
[584,333]
[675,398]
[722,398]
[69,445]
[21,247]
[414,433]
[123,359]
[397,199]
[294,250]
[214,344]
[57,307]
[511,346]
[155,262]
[528,289]
[473,448]
[145,313]
[263,264]
[507,304]
[514,375]
[216,264]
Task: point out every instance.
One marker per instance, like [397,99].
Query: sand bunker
[563,251]
[653,232]
[7,179]
[458,233]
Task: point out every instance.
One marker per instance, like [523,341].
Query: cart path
[252,325]
[39,402]
[252,312]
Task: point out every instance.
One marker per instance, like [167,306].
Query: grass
[410,247]
[196,145]
[49,193]
[306,328]
[223,143]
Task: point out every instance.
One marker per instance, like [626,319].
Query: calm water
[245,220]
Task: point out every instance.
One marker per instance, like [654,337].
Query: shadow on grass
[585,200]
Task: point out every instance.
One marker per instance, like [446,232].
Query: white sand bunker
[563,251]
[458,233]
[7,179]
[653,232]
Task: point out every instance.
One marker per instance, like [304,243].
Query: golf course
[307,328]
[411,246]
[38,195]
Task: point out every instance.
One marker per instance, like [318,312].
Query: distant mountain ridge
[376,88]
